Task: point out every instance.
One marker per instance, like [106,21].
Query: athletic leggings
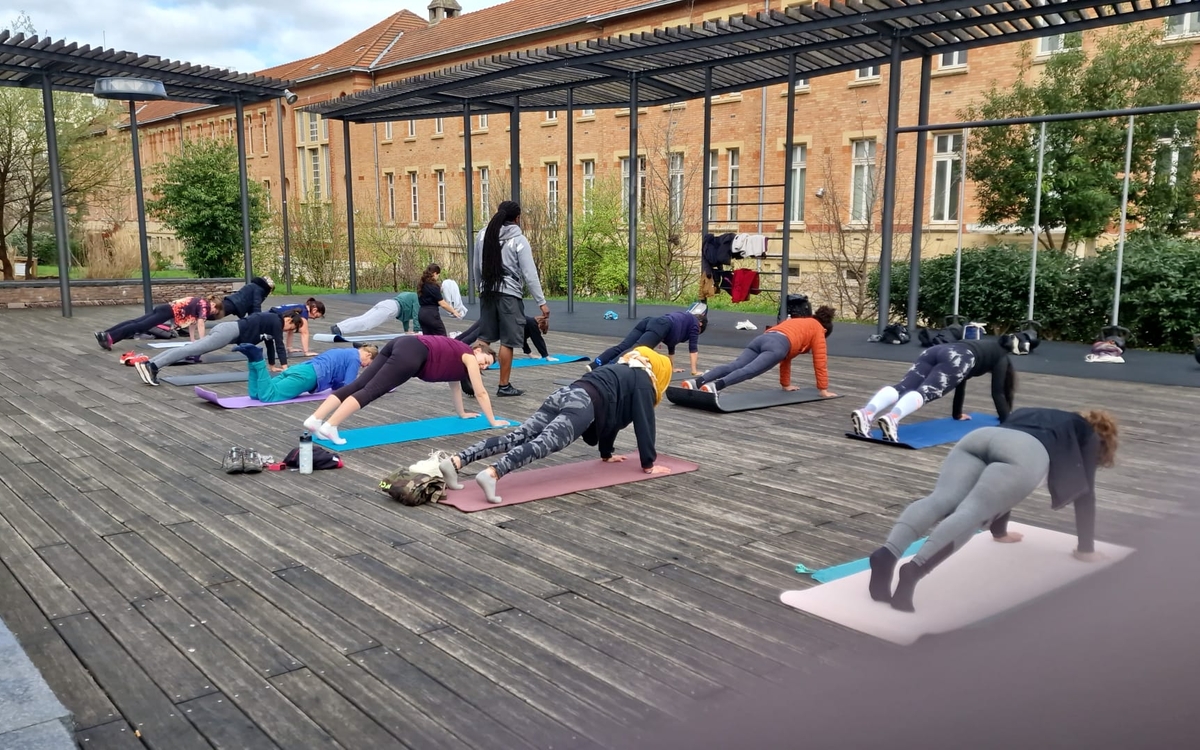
[398,361]
[986,474]
[532,334]
[292,382]
[763,353]
[381,313]
[219,336]
[557,423]
[130,328]
[649,332]
[938,371]
[430,318]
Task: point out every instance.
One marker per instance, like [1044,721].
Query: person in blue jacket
[312,309]
[329,370]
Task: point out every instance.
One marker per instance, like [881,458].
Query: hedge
[1160,295]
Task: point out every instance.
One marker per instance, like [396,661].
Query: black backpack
[894,334]
[322,459]
[798,306]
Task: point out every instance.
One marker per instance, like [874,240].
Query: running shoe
[889,427]
[862,425]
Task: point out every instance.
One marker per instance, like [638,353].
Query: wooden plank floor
[164,599]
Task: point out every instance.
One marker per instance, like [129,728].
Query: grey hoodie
[519,271]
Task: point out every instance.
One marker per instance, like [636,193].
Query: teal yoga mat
[404,432]
[562,360]
[825,575]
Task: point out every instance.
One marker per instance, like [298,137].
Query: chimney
[439,9]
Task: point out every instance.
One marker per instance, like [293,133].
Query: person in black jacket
[596,407]
[249,299]
[252,329]
[431,303]
[985,476]
[938,370]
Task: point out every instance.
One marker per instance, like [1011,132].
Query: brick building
[408,175]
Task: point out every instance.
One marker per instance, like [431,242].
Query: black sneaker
[148,372]
[104,340]
[509,390]
[235,462]
[252,463]
[335,330]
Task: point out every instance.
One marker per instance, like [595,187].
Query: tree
[199,198]
[665,266]
[1084,159]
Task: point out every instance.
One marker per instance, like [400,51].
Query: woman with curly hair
[429,297]
[985,476]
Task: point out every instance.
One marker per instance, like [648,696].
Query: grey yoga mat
[208,378]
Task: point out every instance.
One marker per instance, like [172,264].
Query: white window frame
[441,195]
[587,112]
[552,189]
[387,130]
[863,168]
[265,134]
[952,60]
[390,178]
[714,180]
[414,197]
[947,172]
[799,182]
[1176,148]
[267,193]
[675,185]
[483,121]
[551,115]
[641,186]
[485,192]
[439,125]
[1054,44]
[314,127]
[733,174]
[315,170]
[249,125]
[588,167]
[1185,25]
[868,73]
[412,128]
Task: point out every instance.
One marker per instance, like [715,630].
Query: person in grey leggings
[402,307]
[985,476]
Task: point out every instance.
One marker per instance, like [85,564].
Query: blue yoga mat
[403,432]
[825,575]
[932,432]
[562,360]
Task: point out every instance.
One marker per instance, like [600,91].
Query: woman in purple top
[671,329]
[434,359]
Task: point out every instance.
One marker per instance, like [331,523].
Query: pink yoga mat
[243,402]
[524,485]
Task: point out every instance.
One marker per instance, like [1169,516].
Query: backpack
[798,306]
[894,334]
[411,488]
[322,459]
[947,335]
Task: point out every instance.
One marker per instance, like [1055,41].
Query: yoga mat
[208,378]
[727,402]
[213,358]
[676,377]
[825,575]
[537,484]
[562,360]
[242,402]
[329,338]
[931,432]
[167,344]
[980,581]
[403,432]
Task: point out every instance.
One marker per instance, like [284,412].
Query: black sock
[719,384]
[902,597]
[883,564]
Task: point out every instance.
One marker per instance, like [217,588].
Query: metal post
[1124,213]
[243,184]
[283,199]
[788,187]
[889,186]
[632,217]
[469,181]
[705,186]
[1037,219]
[147,292]
[962,194]
[570,200]
[514,151]
[56,199]
[350,208]
[914,251]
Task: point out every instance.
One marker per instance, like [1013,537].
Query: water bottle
[306,446]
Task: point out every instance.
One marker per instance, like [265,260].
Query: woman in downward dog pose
[985,476]
[938,370]
[432,303]
[402,307]
[249,299]
[778,345]
[434,359]
[188,312]
[671,329]
[596,407]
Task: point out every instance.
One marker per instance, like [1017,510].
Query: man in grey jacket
[505,269]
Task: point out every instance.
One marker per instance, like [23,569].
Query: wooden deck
[161,596]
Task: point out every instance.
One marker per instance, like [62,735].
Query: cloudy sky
[243,35]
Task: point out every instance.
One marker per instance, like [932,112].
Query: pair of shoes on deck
[147,371]
[690,385]
[242,461]
[887,424]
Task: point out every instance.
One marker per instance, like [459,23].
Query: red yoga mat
[537,484]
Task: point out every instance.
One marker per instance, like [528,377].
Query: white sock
[312,424]
[884,399]
[907,404]
[330,433]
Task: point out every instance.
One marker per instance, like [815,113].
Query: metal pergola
[665,66]
[33,62]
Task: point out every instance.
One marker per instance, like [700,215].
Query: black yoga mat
[731,401]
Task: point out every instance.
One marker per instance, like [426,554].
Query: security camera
[289,97]
[820,192]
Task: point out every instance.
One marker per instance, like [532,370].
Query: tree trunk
[30,254]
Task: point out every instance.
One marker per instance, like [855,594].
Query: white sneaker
[862,424]
[709,388]
[688,385]
[746,325]
[889,427]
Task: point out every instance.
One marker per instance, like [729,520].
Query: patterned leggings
[560,420]
[938,371]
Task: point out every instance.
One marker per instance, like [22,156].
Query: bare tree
[666,252]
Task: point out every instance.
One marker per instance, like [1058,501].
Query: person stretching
[402,307]
[188,312]
[985,476]
[326,371]
[431,302]
[312,309]
[596,407]
[533,334]
[939,369]
[671,329]
[252,329]
[453,296]
[434,359]
[778,345]
[248,300]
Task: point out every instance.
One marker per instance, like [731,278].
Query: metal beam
[140,200]
[350,207]
[914,252]
[239,115]
[788,187]
[514,151]
[283,197]
[570,200]
[1156,109]
[469,185]
[634,175]
[61,240]
[888,214]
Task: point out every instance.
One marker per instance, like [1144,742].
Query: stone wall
[45,292]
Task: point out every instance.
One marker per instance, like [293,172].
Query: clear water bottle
[306,448]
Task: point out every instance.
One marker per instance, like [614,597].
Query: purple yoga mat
[537,484]
[242,402]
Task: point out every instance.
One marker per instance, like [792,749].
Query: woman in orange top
[779,345]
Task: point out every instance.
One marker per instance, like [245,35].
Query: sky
[241,35]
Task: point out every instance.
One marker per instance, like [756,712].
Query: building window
[735,172]
[947,174]
[1174,155]
[483,122]
[799,175]
[641,185]
[953,59]
[485,191]
[412,189]
[551,114]
[387,130]
[589,183]
[675,185]
[439,125]
[862,185]
[552,190]
[801,83]
[263,120]
[1055,43]
[412,128]
[869,73]
[391,197]
[441,195]
[587,112]
[267,195]
[314,127]
[714,181]
[249,134]
[315,181]
[301,131]
[1184,25]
